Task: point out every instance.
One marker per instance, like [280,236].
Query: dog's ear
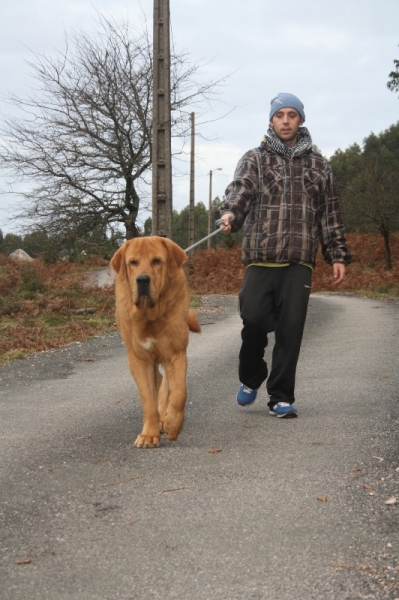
[118,262]
[176,257]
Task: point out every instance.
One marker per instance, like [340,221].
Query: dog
[154,319]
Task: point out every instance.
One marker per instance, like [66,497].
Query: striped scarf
[304,142]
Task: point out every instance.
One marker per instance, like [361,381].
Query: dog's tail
[193,324]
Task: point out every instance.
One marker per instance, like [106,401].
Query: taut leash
[218,222]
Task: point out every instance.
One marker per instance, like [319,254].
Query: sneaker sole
[290,415]
[247,404]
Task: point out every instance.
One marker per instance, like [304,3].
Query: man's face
[286,123]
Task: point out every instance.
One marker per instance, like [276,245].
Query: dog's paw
[147,441]
[172,424]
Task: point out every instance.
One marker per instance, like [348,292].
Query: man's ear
[118,262]
[301,122]
[176,257]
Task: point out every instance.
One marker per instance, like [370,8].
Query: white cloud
[316,37]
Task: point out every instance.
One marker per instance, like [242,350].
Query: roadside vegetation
[221,271]
[44,306]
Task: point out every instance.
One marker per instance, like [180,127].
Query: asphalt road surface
[285,510]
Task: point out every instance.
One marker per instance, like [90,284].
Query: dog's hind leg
[176,374]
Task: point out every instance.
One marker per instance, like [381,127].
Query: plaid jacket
[287,206]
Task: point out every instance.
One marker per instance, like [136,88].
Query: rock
[20,255]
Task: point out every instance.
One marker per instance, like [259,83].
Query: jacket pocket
[314,183]
[272,182]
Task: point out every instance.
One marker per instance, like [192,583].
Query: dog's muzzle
[143,288]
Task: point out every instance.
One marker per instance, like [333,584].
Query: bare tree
[84,140]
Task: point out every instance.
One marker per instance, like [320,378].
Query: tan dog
[153,316]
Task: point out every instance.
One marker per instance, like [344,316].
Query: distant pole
[192,185]
[161,127]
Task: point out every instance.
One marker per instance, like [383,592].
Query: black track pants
[273,299]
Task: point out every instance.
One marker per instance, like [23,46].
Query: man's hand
[225,222]
[339,271]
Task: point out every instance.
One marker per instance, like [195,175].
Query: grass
[195,302]
[37,301]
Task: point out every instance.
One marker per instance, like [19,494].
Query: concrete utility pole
[161,129]
[192,175]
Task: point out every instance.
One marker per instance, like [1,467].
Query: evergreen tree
[368,182]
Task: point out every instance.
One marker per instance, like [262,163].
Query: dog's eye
[134,262]
[156,261]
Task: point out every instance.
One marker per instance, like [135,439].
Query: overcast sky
[335,55]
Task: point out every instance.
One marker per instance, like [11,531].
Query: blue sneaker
[283,409]
[246,396]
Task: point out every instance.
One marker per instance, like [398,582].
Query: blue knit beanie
[284,100]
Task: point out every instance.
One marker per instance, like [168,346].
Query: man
[283,195]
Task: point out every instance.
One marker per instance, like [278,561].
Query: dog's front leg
[163,396]
[176,374]
[144,375]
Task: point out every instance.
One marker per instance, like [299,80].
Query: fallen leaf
[367,486]
[214,450]
[322,498]
[391,501]
[378,458]
[25,561]
[356,469]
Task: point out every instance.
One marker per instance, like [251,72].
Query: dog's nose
[143,280]
[144,289]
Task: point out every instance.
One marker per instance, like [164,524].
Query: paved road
[104,520]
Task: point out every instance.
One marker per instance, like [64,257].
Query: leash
[218,222]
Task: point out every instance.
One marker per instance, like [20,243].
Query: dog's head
[148,264]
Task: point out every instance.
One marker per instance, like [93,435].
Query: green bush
[31,283]
[384,288]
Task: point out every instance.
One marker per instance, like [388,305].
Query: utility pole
[192,175]
[161,127]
